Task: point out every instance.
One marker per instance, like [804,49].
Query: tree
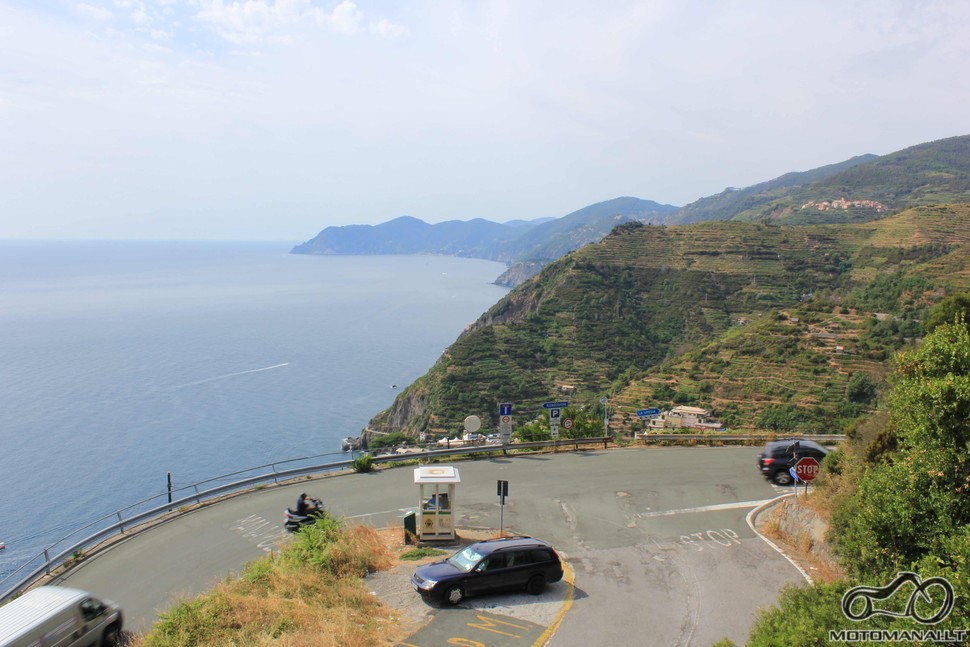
[953,309]
[861,388]
[909,506]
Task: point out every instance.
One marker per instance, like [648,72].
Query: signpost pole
[503,491]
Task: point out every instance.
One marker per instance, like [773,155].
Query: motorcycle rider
[305,506]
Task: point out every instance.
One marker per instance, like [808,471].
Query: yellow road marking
[567,604]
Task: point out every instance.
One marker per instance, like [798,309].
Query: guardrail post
[121,522]
[198,499]
[47,559]
[276,479]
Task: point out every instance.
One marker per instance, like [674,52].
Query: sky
[273,119]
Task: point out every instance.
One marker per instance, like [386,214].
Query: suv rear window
[542,555]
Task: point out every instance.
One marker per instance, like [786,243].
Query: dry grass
[799,547]
[310,593]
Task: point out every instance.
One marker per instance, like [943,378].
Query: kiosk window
[437,502]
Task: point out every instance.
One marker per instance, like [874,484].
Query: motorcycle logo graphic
[924,590]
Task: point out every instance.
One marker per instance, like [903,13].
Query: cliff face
[519,273]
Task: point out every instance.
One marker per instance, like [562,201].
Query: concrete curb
[750,519]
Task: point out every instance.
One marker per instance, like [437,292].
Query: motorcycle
[293,521]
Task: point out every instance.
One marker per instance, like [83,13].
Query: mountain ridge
[860,189]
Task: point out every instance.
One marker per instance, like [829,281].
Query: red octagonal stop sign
[806,468]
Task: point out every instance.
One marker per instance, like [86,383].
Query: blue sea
[123,361]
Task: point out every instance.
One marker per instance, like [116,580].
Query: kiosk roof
[436,474]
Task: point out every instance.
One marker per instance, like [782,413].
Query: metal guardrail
[54,556]
[822,438]
[51,562]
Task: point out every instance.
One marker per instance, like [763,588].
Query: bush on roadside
[363,463]
[308,594]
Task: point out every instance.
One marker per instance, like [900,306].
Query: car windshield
[465,560]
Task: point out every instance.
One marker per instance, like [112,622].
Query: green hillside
[731,202]
[652,315]
[858,190]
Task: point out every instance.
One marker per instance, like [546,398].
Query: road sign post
[505,422]
[806,469]
[503,491]
[644,414]
[555,413]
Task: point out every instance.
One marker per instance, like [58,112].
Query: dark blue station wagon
[507,564]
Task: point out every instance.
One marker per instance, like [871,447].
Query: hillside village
[842,203]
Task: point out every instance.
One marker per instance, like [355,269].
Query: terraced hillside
[769,326]
[858,190]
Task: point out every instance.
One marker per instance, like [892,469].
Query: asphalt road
[656,537]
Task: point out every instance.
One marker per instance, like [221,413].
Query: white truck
[54,616]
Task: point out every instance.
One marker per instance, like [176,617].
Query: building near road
[684,417]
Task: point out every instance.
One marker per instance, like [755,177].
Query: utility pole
[606,415]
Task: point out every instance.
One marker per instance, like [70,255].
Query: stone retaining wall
[803,531]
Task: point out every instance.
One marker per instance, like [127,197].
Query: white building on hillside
[684,417]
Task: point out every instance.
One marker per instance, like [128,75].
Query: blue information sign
[643,413]
[505,409]
[555,405]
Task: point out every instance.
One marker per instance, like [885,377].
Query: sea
[122,363]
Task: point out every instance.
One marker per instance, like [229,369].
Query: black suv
[780,455]
[490,566]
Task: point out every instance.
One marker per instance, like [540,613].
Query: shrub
[421,553]
[861,388]
[363,463]
[803,616]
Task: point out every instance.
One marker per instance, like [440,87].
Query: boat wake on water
[228,375]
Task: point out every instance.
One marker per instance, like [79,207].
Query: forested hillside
[768,326]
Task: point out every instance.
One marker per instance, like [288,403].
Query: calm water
[120,362]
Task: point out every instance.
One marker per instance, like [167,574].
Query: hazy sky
[272,119]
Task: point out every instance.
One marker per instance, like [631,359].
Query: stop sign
[806,468]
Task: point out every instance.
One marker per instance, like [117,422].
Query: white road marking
[403,512]
[266,535]
[703,508]
[750,519]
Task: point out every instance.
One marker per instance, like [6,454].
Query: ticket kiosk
[436,507]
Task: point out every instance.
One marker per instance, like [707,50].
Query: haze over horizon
[273,119]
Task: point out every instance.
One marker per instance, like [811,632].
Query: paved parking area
[656,537]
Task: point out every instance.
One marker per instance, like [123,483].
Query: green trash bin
[410,527]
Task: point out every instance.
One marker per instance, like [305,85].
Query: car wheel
[111,637]
[454,595]
[783,478]
[535,585]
